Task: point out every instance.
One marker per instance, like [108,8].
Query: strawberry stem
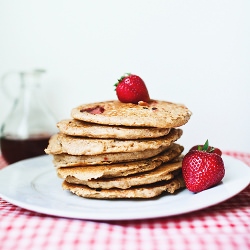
[205,146]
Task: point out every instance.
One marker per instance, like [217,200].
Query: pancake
[115,150]
[143,192]
[66,160]
[156,113]
[80,128]
[120,169]
[164,172]
[61,143]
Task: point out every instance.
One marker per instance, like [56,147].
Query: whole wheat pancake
[145,191]
[121,169]
[61,143]
[80,128]
[163,172]
[156,113]
[66,160]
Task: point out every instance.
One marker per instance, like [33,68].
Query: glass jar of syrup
[30,124]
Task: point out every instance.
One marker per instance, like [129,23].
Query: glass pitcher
[30,124]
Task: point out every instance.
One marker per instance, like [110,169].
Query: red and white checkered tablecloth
[223,226]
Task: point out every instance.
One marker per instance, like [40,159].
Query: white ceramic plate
[33,184]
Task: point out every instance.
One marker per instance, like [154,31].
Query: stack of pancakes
[112,150]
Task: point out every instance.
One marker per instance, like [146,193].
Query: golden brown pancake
[156,113]
[66,160]
[120,169]
[163,172]
[61,143]
[80,128]
[144,192]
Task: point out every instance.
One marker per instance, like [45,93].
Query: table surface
[223,226]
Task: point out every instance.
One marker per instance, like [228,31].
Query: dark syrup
[14,150]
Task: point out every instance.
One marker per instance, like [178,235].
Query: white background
[192,52]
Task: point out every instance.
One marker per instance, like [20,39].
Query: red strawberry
[131,88]
[202,169]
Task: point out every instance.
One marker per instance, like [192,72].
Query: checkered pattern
[224,226]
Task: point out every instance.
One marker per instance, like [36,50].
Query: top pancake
[156,113]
